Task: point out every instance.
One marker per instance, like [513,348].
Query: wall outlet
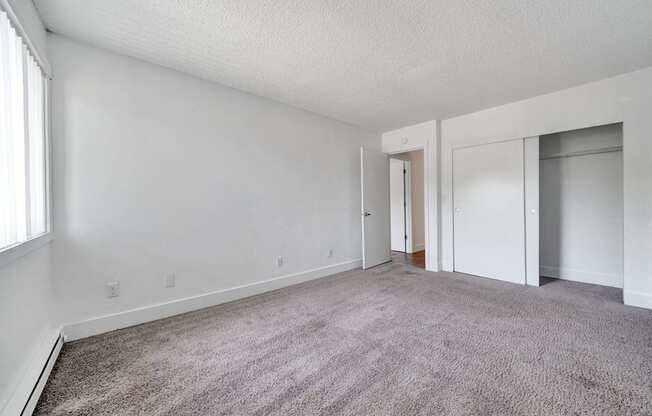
[330,253]
[170,280]
[279,261]
[112,289]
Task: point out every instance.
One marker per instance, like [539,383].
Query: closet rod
[584,153]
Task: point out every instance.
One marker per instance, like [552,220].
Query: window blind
[23,153]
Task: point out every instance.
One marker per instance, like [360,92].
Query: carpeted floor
[395,340]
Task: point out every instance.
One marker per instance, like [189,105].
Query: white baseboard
[106,323]
[639,299]
[604,279]
[29,388]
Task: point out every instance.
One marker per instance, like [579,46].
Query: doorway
[407,216]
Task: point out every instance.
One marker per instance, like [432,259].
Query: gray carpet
[396,340]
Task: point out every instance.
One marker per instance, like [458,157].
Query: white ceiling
[380,64]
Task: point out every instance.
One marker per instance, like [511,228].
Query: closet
[581,205]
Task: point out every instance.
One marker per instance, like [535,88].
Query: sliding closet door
[489,222]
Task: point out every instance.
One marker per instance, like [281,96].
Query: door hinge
[406,237]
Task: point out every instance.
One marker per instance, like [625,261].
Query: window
[24,155]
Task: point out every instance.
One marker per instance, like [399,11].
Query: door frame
[426,137]
[427,198]
[408,238]
[407,211]
[397,243]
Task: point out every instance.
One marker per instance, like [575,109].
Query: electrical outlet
[330,253]
[112,289]
[170,280]
[279,261]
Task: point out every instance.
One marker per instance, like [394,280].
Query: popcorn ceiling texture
[379,64]
[395,340]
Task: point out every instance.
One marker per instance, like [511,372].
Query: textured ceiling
[380,64]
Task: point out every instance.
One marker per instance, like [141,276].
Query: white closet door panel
[531,168]
[489,222]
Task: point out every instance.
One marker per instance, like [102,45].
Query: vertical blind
[23,153]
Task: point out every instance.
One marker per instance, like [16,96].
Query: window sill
[13,253]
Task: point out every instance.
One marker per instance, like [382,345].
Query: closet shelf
[583,153]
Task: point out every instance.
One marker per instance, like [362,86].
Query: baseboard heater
[32,399]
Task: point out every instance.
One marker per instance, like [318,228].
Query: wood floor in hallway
[417,259]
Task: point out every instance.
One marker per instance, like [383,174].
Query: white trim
[406,149]
[432,198]
[149,313]
[638,299]
[42,61]
[407,200]
[19,250]
[47,102]
[31,383]
[419,247]
[362,207]
[604,279]
[42,381]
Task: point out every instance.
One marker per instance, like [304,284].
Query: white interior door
[489,222]
[374,173]
[397,204]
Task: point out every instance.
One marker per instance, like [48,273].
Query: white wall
[581,207]
[158,172]
[26,283]
[408,138]
[626,98]
[25,317]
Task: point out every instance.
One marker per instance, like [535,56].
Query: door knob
[366,214]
